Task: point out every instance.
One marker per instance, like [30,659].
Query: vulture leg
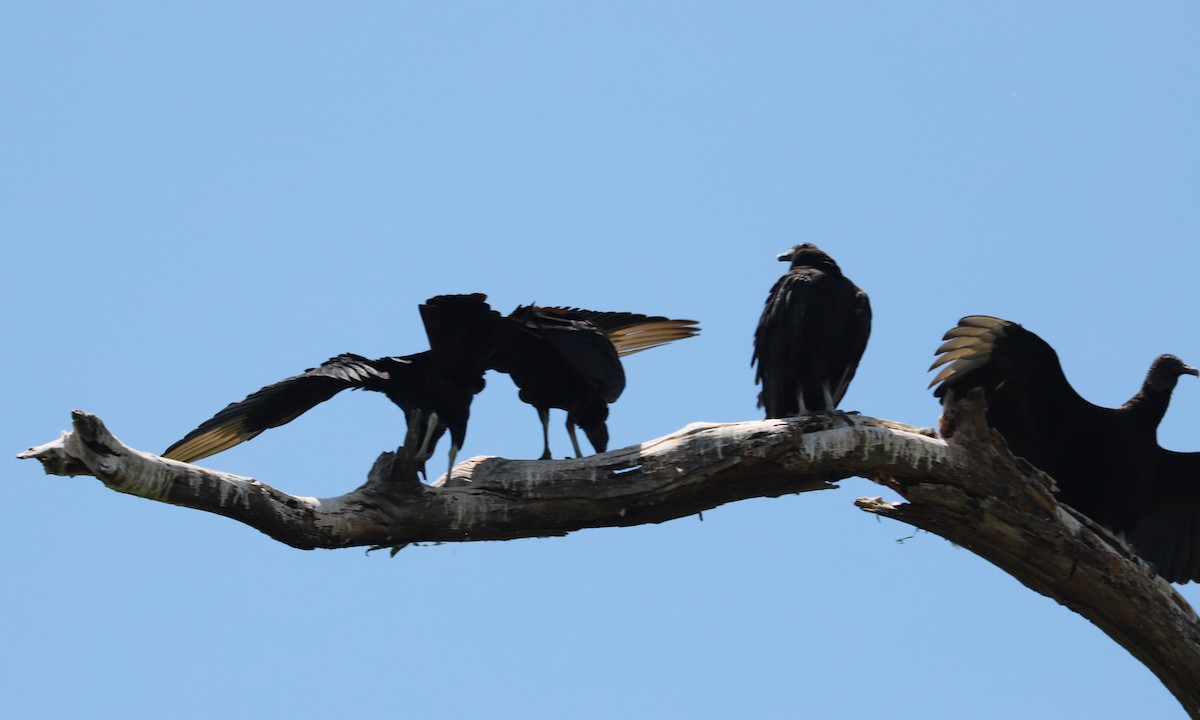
[425,451]
[800,409]
[829,403]
[453,454]
[544,416]
[574,440]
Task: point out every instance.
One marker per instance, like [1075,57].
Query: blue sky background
[203,198]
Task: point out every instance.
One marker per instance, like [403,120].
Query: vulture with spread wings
[1106,461]
[434,388]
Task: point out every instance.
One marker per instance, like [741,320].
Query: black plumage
[569,359]
[634,332]
[1106,462]
[434,388]
[811,336]
[1167,531]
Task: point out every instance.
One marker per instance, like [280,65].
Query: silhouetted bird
[569,359]
[1106,461]
[434,388]
[810,337]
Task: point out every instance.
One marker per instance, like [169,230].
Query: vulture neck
[1150,403]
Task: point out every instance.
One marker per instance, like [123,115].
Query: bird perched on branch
[434,388]
[568,358]
[1106,462]
[811,335]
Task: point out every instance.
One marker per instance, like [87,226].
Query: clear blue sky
[203,198]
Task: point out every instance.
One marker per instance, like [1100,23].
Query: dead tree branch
[966,488]
[489,498]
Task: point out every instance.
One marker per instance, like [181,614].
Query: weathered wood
[489,498]
[966,488]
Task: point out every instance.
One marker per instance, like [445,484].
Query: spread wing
[1167,525]
[633,332]
[1029,399]
[1104,460]
[280,403]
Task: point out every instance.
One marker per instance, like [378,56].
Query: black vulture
[811,335]
[568,358]
[1106,462]
[434,388]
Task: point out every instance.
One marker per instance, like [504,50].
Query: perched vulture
[568,358]
[1106,461]
[434,388]
[810,337]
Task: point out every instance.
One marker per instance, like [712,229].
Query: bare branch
[489,498]
[967,488]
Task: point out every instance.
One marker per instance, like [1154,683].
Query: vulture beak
[1189,370]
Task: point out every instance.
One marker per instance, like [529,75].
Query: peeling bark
[966,488]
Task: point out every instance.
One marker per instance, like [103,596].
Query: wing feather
[633,332]
[278,404]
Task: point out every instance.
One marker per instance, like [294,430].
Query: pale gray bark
[966,488]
